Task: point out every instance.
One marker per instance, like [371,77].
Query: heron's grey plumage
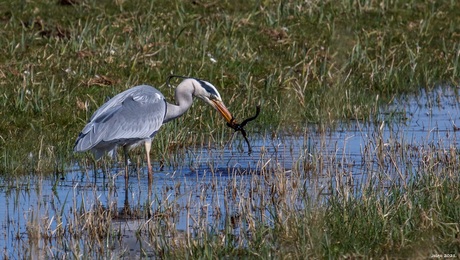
[129,118]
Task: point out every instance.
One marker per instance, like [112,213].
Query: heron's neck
[184,100]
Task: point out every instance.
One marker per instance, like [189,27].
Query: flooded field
[219,188]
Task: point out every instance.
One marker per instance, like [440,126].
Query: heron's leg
[94,170]
[125,150]
[148,145]
[126,209]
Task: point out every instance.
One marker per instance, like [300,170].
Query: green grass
[320,62]
[304,61]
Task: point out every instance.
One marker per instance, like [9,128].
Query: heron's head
[209,94]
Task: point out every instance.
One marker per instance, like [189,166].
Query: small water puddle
[213,186]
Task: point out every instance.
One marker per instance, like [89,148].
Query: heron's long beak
[223,110]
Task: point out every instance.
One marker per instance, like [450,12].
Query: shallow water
[351,154]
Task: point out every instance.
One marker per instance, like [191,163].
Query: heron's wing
[129,117]
[121,97]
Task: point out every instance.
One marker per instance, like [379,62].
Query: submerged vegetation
[304,62]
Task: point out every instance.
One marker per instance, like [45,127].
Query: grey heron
[134,116]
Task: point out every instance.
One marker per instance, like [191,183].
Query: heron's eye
[212,97]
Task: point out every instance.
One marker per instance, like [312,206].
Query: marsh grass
[402,201]
[303,61]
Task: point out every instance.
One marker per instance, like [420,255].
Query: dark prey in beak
[240,127]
